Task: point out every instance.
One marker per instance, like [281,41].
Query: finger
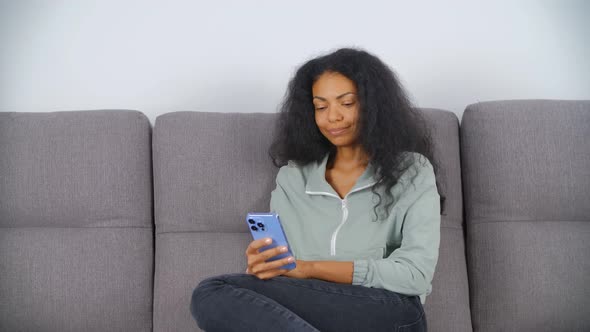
[271,274]
[264,256]
[257,244]
[278,263]
[259,268]
[270,253]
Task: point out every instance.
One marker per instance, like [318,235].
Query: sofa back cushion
[526,174]
[76,244]
[210,169]
[447,308]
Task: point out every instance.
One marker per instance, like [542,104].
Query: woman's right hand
[257,260]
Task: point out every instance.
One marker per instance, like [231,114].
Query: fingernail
[290,259]
[283,249]
[267,241]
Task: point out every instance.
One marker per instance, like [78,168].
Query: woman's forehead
[333,85]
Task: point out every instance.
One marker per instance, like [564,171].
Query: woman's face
[336,108]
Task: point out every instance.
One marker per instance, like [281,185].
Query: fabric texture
[183,259]
[526,160]
[450,284]
[76,168]
[76,235]
[75,279]
[203,161]
[526,173]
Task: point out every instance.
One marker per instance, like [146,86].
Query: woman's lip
[338,131]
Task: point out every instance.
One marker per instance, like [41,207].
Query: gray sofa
[107,224]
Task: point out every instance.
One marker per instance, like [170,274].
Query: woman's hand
[257,264]
[335,271]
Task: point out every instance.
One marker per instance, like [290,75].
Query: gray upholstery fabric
[76,235]
[527,160]
[530,276]
[526,175]
[183,259]
[85,168]
[210,169]
[445,136]
[75,279]
[447,308]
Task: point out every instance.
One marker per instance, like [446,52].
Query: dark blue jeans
[242,302]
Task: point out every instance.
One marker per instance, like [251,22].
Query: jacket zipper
[344,217]
[344,213]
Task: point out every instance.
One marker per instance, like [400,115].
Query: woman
[358,202]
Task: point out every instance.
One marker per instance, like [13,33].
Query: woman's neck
[350,158]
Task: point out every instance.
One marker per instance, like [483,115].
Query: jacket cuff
[359,274]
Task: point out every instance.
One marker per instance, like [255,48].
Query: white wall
[237,56]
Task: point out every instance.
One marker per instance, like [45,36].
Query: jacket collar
[317,184]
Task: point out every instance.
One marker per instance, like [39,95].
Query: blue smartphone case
[263,225]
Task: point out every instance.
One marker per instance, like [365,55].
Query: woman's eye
[348,104]
[320,108]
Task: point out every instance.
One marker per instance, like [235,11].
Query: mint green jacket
[398,253]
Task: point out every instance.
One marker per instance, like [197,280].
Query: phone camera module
[254,228]
[251,221]
[261,225]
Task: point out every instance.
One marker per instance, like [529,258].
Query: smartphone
[263,225]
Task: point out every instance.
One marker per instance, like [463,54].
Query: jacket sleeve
[410,268]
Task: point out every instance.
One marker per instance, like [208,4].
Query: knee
[210,292]
[203,291]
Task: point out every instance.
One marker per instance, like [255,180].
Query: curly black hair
[389,125]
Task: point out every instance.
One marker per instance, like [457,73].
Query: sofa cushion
[447,308]
[85,168]
[526,175]
[76,235]
[210,169]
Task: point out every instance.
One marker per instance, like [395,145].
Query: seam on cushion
[234,232]
[172,228]
[194,231]
[451,222]
[90,227]
[523,220]
[451,227]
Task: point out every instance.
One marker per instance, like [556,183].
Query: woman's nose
[334,114]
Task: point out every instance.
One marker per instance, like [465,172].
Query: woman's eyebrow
[342,95]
